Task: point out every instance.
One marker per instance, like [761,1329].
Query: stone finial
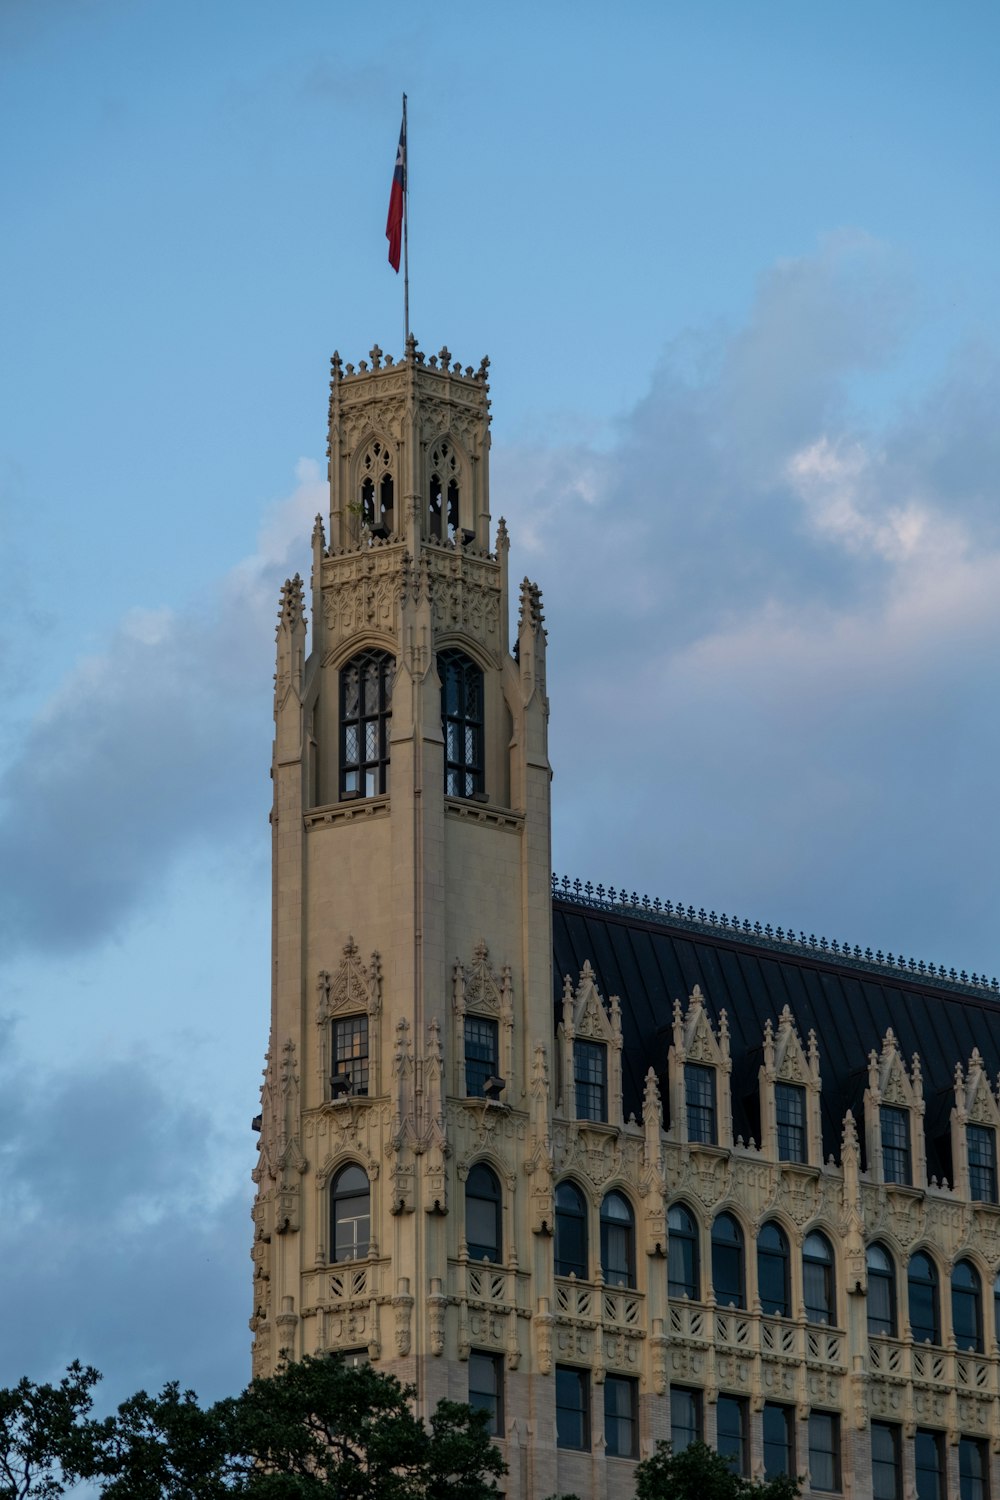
[503,540]
[651,1098]
[375,355]
[336,367]
[292,606]
[531,606]
[444,355]
[411,348]
[484,365]
[318,533]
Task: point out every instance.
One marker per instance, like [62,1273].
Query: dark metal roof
[650,957]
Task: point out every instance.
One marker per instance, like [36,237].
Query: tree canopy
[699,1473]
[316,1429]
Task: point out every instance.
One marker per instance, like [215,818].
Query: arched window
[772,1271]
[462,722]
[683,1278]
[376,497]
[482,1214]
[365,714]
[443,492]
[966,1307]
[818,1290]
[996,1312]
[617,1241]
[881,1293]
[728,1279]
[571,1232]
[350,1213]
[922,1299]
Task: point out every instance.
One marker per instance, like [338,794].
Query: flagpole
[406,223]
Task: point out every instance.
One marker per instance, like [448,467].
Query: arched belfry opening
[376,499]
[444,493]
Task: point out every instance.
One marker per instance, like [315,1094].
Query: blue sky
[735,269]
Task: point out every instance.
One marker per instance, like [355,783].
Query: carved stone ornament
[353,987]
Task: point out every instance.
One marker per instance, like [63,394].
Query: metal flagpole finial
[406,224]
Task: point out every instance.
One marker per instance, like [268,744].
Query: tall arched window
[966,1307]
[443,508]
[462,721]
[818,1291]
[482,1214]
[772,1271]
[365,714]
[922,1299]
[350,1213]
[617,1241]
[996,1312]
[683,1278]
[881,1293]
[571,1232]
[376,496]
[728,1278]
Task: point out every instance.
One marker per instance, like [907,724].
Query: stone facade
[447,1183]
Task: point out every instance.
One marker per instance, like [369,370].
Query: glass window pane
[824,1450]
[486,1388]
[790,1110]
[973,1474]
[928,1464]
[571,1232]
[895,1131]
[682,1255]
[981,1143]
[772,1271]
[731,1430]
[699,1088]
[885,1462]
[727,1262]
[620,1411]
[779,1446]
[685,1418]
[481,1054]
[572,1408]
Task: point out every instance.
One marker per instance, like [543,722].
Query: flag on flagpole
[394,221]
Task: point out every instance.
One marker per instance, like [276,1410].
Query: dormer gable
[598,1029]
[975,1122]
[696,1045]
[353,989]
[480,990]
[894,1116]
[790,1086]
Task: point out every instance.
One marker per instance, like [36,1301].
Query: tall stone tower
[406,1085]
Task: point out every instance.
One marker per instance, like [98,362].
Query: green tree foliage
[699,1473]
[45,1435]
[316,1429]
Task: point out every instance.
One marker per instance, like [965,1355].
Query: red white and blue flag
[394,222]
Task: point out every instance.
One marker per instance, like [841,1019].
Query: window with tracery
[350,1213]
[376,496]
[444,493]
[462,721]
[365,713]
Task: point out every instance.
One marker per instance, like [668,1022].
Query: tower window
[350,1213]
[377,487]
[824,1450]
[779,1440]
[966,1307]
[462,721]
[928,1464]
[481,1059]
[444,493]
[621,1409]
[973,1473]
[922,1292]
[683,1279]
[486,1388]
[894,1125]
[572,1407]
[790,1112]
[571,1232]
[772,1271]
[728,1281]
[350,1052]
[731,1432]
[617,1241]
[817,1279]
[482,1214]
[886,1469]
[881,1293]
[699,1096]
[685,1418]
[365,714]
[982,1145]
[590,1065]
